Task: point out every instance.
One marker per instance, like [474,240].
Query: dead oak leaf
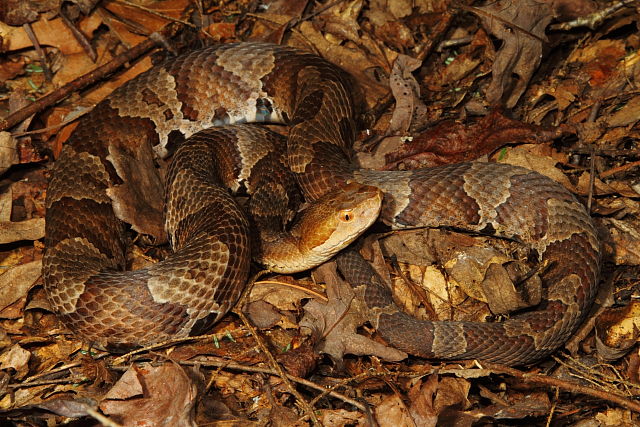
[149,395]
[520,25]
[337,321]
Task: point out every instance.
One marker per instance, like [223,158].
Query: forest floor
[551,85]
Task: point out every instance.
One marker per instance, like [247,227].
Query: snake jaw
[337,219]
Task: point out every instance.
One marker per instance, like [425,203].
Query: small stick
[278,369]
[78,35]
[592,180]
[594,19]
[302,381]
[572,387]
[43,56]
[121,359]
[619,169]
[156,13]
[81,82]
[108,422]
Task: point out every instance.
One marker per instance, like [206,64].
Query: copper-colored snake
[211,237]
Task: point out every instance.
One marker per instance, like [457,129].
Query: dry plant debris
[552,85]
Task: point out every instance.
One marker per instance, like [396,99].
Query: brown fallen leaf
[545,165]
[139,200]
[340,417]
[392,412]
[11,67]
[602,188]
[18,12]
[433,401]
[8,151]
[141,18]
[518,406]
[410,111]
[31,229]
[16,358]
[489,276]
[521,26]
[148,395]
[625,236]
[361,64]
[16,282]
[504,290]
[49,32]
[618,330]
[628,114]
[335,323]
[451,392]
[617,417]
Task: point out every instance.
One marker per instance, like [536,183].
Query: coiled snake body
[211,237]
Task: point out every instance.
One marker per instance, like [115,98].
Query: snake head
[335,220]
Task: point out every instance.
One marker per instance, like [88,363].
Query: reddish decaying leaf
[221,30]
[10,68]
[453,142]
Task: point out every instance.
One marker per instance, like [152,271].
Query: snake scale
[86,244]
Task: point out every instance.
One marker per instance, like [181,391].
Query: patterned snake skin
[196,285]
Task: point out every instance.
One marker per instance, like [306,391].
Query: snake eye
[346,215]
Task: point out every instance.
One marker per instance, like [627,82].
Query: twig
[238,367]
[43,56]
[121,359]
[280,372]
[156,13]
[565,385]
[77,34]
[106,421]
[592,180]
[76,380]
[81,82]
[553,407]
[619,169]
[311,15]
[446,44]
[603,380]
[592,20]
[503,21]
[298,287]
[53,371]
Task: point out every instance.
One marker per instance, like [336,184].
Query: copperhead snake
[196,285]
